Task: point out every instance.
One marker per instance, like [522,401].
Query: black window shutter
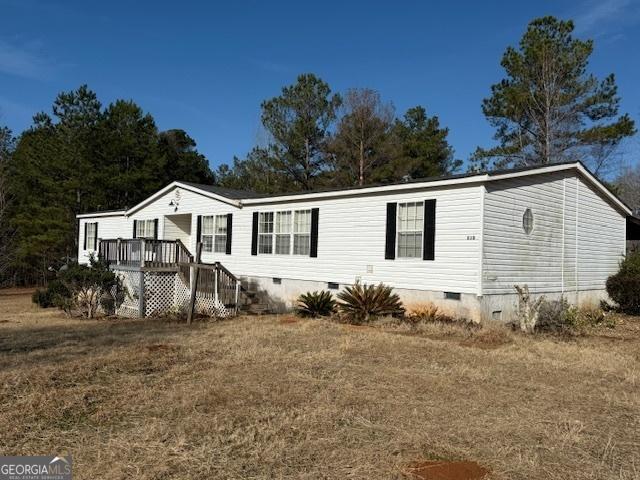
[229,232]
[254,234]
[198,229]
[95,239]
[313,248]
[85,234]
[135,229]
[390,242]
[155,229]
[429,234]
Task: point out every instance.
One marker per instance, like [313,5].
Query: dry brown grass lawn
[261,398]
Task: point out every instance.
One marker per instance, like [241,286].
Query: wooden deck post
[194,283]
[141,302]
[142,252]
[118,246]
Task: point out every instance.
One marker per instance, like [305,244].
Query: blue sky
[206,66]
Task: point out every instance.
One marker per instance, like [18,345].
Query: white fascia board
[480,178]
[116,213]
[190,188]
[598,184]
[367,190]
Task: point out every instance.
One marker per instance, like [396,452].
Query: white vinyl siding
[109,227]
[570,221]
[351,239]
[410,229]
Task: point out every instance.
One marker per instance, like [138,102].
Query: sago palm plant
[316,304]
[362,303]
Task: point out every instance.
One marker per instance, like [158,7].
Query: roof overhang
[480,178]
[474,179]
[114,213]
[184,186]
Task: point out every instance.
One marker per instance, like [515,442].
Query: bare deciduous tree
[628,185]
[6,146]
[361,142]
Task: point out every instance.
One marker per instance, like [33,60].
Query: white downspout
[564,207]
[483,191]
[577,238]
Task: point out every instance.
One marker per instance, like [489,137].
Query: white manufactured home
[461,242]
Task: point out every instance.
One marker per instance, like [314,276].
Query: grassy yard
[276,397]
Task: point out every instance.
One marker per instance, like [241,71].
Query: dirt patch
[439,470]
[288,320]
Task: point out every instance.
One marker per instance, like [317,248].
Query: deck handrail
[144,253]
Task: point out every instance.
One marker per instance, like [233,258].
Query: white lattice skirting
[163,292]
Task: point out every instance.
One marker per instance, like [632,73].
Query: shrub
[624,286]
[556,316]
[86,285]
[54,295]
[362,303]
[316,304]
[427,312]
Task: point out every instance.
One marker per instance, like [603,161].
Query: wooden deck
[208,280]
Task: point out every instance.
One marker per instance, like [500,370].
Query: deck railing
[144,253]
[218,283]
[213,280]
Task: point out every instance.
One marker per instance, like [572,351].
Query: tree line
[84,157]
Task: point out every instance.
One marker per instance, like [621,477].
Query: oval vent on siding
[527,221]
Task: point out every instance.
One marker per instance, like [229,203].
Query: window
[265,232]
[410,227]
[302,232]
[92,231]
[220,234]
[145,229]
[527,221]
[214,233]
[283,233]
[206,233]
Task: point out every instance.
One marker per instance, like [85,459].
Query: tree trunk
[361,176]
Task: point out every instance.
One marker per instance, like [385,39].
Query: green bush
[362,303]
[86,285]
[54,295]
[316,304]
[624,286]
[556,316]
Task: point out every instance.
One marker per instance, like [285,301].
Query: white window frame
[213,233]
[92,232]
[291,229]
[410,226]
[302,232]
[145,229]
[220,234]
[282,231]
[266,218]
